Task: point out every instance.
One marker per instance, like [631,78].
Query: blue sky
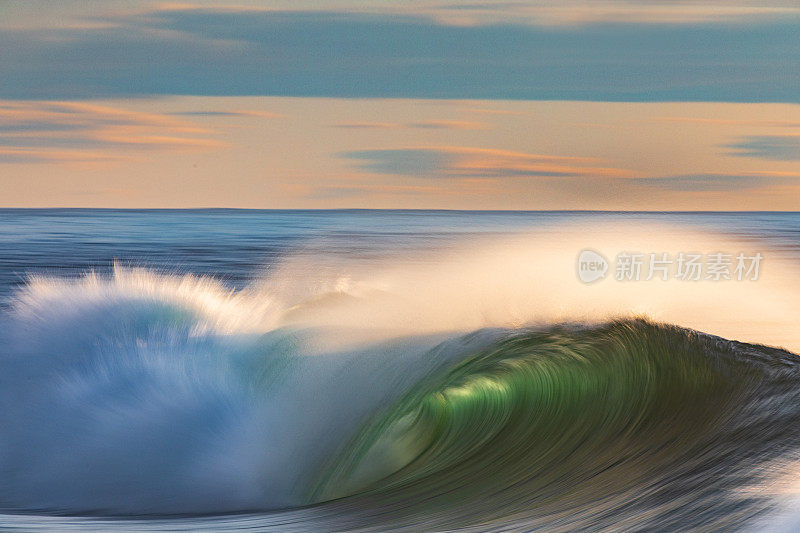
[219,50]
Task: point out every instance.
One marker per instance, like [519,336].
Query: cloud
[777,173]
[30,155]
[379,53]
[770,147]
[47,132]
[721,182]
[464,162]
[411,161]
[580,12]
[457,12]
[213,113]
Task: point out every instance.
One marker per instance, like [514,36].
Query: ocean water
[397,370]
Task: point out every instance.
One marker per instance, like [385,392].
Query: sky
[545,104]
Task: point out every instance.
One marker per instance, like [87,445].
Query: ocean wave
[632,422]
[434,391]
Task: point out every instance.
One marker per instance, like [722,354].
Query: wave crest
[593,425]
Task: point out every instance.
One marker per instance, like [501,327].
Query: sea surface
[406,370]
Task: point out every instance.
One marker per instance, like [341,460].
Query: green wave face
[576,427]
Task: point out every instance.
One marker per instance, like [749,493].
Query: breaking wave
[449,392]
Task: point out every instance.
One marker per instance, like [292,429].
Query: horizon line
[333,209]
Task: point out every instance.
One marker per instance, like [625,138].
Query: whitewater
[459,376]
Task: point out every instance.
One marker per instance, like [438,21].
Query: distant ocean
[398,369]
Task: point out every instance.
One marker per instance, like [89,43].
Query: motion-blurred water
[374,370]
[235,245]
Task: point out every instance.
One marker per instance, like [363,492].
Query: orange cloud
[466,162]
[54,131]
[777,173]
[491,162]
[222,113]
[73,157]
[538,12]
[579,12]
